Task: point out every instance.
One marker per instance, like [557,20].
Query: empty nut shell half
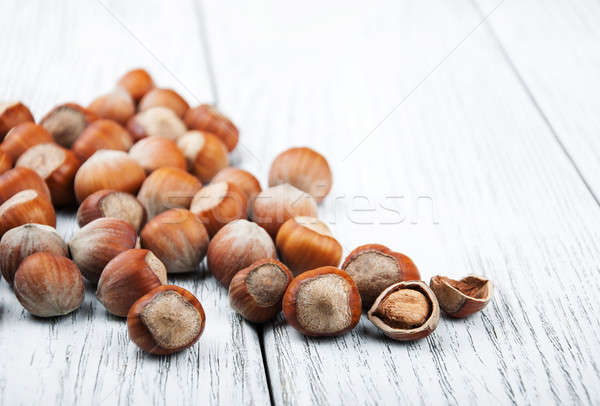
[322,302]
[461,298]
[256,292]
[374,267]
[406,311]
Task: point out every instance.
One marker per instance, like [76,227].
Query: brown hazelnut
[247,182]
[5,162]
[49,285]
[303,168]
[168,188]
[99,241]
[127,277]
[205,153]
[137,83]
[116,105]
[23,137]
[27,206]
[108,169]
[256,291]
[166,320]
[66,121]
[20,242]
[111,203]
[57,166]
[218,204]
[156,122]
[274,206]
[374,267]
[11,115]
[207,118]
[306,243]
[461,298]
[236,246]
[101,134]
[406,311]
[322,302]
[177,238]
[18,179]
[158,152]
[164,98]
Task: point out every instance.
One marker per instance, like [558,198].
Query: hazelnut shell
[464,297]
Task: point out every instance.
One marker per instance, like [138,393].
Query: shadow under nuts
[374,267]
[461,298]
[322,302]
[406,311]
[127,277]
[166,320]
[256,292]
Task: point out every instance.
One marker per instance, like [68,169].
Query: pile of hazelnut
[156,195]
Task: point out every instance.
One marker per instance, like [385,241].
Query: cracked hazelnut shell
[236,246]
[166,320]
[406,311]
[22,137]
[13,114]
[207,118]
[66,121]
[322,302]
[177,238]
[303,168]
[49,285]
[112,203]
[256,291]
[127,277]
[374,267]
[461,298]
[307,243]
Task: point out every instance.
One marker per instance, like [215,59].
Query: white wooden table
[464,134]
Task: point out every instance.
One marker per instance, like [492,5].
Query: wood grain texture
[464,176]
[57,51]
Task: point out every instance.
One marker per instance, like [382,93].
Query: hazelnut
[207,118]
[166,320]
[5,162]
[306,243]
[127,277]
[20,242]
[66,121]
[205,153]
[256,291]
[406,311]
[374,267]
[102,134]
[111,203]
[49,285]
[137,83]
[461,298]
[164,98]
[322,302]
[108,169]
[57,166]
[11,115]
[168,188]
[177,238]
[99,241]
[158,152]
[218,204]
[27,206]
[156,122]
[19,179]
[116,105]
[23,137]
[236,246]
[247,182]
[303,168]
[276,205]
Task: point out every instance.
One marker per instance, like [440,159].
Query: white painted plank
[556,53]
[507,202]
[55,51]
